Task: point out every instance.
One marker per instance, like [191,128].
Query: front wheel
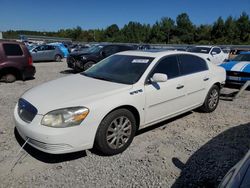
[88,65]
[116,132]
[58,58]
[212,99]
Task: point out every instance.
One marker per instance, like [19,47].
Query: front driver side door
[165,98]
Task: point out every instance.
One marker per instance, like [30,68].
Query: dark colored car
[15,62]
[239,175]
[83,60]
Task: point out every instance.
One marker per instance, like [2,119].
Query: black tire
[88,65]
[212,100]
[118,127]
[9,78]
[58,58]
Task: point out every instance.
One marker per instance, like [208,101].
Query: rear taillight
[30,62]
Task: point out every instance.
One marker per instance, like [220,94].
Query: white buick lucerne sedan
[104,106]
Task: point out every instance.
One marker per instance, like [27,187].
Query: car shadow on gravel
[207,166]
[46,157]
[69,71]
[162,124]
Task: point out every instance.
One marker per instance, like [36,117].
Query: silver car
[46,53]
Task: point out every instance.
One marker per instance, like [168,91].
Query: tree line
[164,31]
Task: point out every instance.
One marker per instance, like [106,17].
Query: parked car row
[80,61]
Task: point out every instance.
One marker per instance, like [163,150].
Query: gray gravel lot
[193,150]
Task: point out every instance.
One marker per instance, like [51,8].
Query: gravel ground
[192,150]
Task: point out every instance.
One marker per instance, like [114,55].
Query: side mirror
[159,77]
[34,50]
[213,53]
[103,54]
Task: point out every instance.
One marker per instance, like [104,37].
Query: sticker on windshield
[140,61]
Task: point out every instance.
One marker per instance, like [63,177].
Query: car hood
[237,66]
[69,91]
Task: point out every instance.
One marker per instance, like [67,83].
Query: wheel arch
[132,109]
[13,70]
[218,84]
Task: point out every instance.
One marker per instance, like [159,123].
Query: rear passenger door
[50,52]
[164,99]
[195,74]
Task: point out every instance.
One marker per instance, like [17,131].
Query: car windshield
[123,69]
[242,57]
[204,50]
[94,49]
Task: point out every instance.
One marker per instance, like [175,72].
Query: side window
[12,50]
[217,50]
[40,48]
[50,47]
[190,64]
[109,50]
[169,66]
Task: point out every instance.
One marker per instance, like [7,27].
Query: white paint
[154,103]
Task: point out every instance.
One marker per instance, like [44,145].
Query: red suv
[15,62]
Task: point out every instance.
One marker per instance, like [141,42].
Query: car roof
[11,42]
[153,54]
[204,46]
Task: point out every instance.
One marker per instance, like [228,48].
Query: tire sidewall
[9,78]
[101,141]
[58,58]
[87,65]
[206,107]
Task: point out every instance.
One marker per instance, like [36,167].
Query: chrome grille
[26,111]
[51,147]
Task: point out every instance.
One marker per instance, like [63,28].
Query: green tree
[243,25]
[185,28]
[218,31]
[203,34]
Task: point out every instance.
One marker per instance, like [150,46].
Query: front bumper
[54,140]
[237,77]
[75,64]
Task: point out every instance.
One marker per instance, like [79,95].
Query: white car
[212,53]
[105,105]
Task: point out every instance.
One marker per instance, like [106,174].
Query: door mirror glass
[159,77]
[103,54]
[34,50]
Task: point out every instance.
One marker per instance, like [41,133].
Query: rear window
[12,50]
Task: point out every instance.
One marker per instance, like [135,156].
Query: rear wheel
[116,132]
[212,99]
[88,65]
[58,58]
[9,78]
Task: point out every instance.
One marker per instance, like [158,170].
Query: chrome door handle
[180,87]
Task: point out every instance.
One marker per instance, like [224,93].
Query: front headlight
[84,58]
[66,117]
